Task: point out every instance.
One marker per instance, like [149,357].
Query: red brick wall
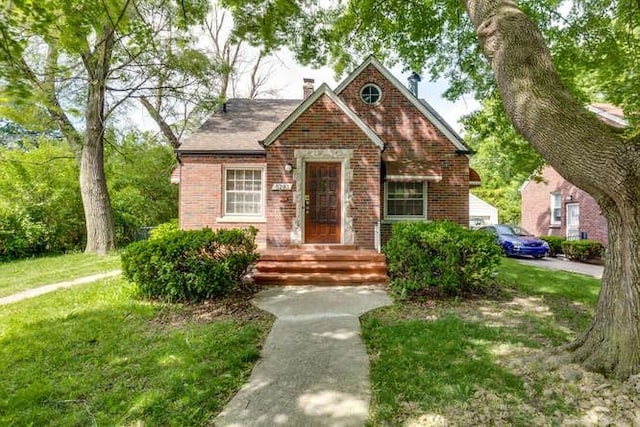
[407,133]
[536,214]
[324,126]
[201,192]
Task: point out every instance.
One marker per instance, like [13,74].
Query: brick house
[336,168]
[554,206]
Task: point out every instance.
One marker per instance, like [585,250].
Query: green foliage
[582,250]
[191,265]
[503,159]
[44,213]
[555,244]
[266,23]
[164,229]
[439,254]
[138,171]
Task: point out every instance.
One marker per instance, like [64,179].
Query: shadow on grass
[117,365]
[424,366]
[571,297]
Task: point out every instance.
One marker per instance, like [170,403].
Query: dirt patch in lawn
[237,307]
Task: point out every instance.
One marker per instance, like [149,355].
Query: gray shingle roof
[245,122]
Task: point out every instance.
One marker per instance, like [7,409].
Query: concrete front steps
[320,265]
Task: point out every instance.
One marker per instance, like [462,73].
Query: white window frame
[405,217]
[246,216]
[555,202]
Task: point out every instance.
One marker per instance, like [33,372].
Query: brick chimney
[307,87]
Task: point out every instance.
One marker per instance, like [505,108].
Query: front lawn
[490,360]
[93,355]
[16,276]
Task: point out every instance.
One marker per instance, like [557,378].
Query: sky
[286,78]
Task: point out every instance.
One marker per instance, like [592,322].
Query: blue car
[515,240]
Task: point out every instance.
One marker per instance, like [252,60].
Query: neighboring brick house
[554,206]
[339,167]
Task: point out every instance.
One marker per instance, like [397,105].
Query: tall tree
[185,85]
[60,58]
[587,153]
[547,111]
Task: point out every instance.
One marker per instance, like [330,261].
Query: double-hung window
[405,200]
[556,208]
[243,192]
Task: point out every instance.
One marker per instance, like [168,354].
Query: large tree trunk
[586,152]
[612,343]
[93,183]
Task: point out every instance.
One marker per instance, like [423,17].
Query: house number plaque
[282,186]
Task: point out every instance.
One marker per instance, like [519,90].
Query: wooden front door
[322,219]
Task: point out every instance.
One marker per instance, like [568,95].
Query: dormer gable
[308,102]
[361,97]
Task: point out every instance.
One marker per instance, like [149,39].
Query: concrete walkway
[564,265]
[314,368]
[30,293]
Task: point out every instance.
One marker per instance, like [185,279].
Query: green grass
[424,365]
[434,358]
[16,276]
[93,355]
[571,297]
[549,283]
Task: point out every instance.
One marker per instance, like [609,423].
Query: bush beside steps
[191,266]
[441,256]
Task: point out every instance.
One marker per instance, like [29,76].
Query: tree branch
[162,124]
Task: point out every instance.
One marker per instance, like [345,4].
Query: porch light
[288,167]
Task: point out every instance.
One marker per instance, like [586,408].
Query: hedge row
[582,250]
[575,250]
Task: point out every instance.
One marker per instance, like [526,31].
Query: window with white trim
[243,192]
[556,208]
[405,200]
[370,94]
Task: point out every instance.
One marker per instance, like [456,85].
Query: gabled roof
[240,127]
[323,90]
[422,105]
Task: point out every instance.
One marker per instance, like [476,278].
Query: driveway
[564,265]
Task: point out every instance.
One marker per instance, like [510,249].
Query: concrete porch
[320,265]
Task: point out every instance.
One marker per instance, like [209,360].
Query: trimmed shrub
[191,266]
[164,229]
[582,250]
[555,244]
[440,254]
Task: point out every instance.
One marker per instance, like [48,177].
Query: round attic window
[370,94]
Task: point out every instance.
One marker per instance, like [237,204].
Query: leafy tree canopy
[595,43]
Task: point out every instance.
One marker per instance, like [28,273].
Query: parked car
[515,240]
